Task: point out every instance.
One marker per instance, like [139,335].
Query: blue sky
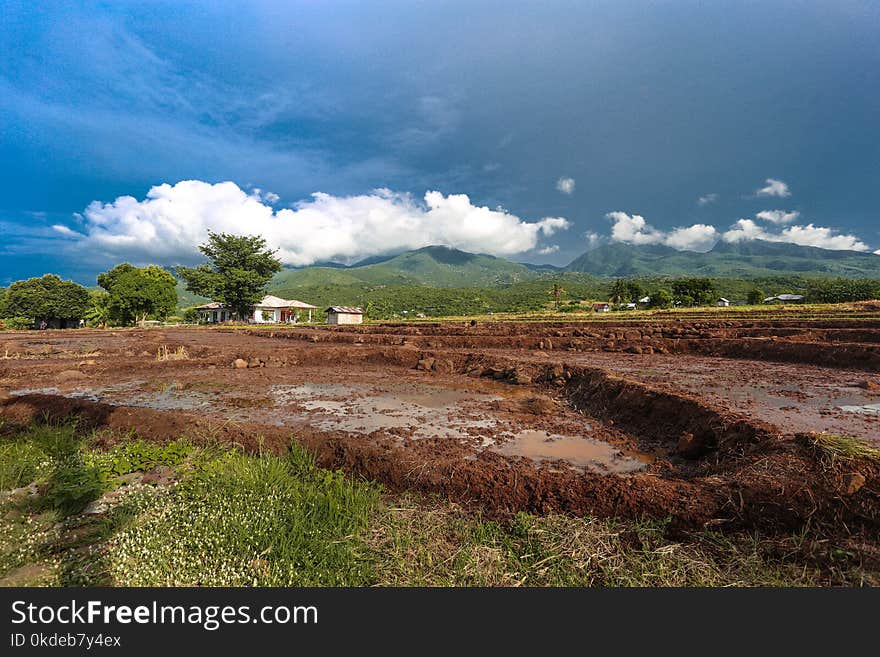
[127,130]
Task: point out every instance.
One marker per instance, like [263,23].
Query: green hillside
[744,260]
[435,266]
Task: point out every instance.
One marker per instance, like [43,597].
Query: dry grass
[843,448]
[164,353]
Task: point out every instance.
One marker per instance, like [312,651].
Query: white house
[270,310]
[344,315]
[274,310]
[213,313]
[723,303]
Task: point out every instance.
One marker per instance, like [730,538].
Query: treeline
[128,295]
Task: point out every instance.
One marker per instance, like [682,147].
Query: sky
[344,130]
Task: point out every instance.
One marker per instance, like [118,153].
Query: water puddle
[426,411]
[865,409]
[580,452]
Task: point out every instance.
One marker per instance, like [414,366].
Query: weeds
[164,353]
[843,448]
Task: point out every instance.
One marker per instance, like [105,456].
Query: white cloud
[169,224]
[633,229]
[565,185]
[64,230]
[706,199]
[547,250]
[593,238]
[809,235]
[774,188]
[699,237]
[778,216]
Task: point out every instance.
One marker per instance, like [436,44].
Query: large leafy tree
[47,298]
[694,291]
[136,293]
[240,269]
[625,291]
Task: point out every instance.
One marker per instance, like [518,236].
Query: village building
[602,307]
[270,310]
[785,298]
[723,303]
[344,315]
[274,310]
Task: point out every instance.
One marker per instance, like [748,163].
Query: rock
[538,405]
[633,336]
[445,365]
[254,362]
[494,372]
[548,344]
[239,363]
[557,371]
[689,445]
[425,364]
[609,346]
[87,362]
[519,378]
[868,384]
[853,482]
[633,350]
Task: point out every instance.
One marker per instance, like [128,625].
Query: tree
[626,291]
[136,293]
[240,269]
[557,292]
[700,290]
[660,299]
[48,298]
[755,296]
[191,315]
[98,313]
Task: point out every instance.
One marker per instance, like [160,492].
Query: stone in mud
[853,482]
[633,336]
[633,350]
[425,364]
[868,384]
[519,378]
[239,363]
[255,362]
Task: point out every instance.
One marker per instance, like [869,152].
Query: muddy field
[709,423]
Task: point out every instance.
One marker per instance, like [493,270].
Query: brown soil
[704,423]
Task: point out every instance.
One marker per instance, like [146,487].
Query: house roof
[790,297]
[347,310]
[270,301]
[214,305]
[723,299]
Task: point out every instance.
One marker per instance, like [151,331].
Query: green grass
[837,447]
[223,518]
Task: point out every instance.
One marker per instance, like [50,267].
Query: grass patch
[843,448]
[217,517]
[245,520]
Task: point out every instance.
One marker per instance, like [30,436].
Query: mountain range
[440,266]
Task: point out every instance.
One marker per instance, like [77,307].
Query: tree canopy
[626,291]
[136,293]
[47,298]
[240,269]
[694,291]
